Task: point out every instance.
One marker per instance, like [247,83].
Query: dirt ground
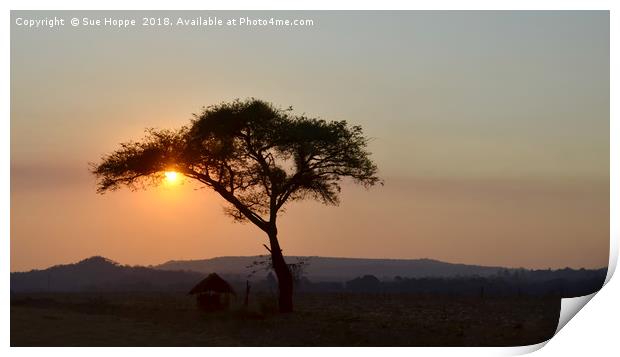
[152,319]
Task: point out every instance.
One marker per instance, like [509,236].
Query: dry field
[167,319]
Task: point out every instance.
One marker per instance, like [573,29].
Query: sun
[171,176]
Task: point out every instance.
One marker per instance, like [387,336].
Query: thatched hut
[213,293]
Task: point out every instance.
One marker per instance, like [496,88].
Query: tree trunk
[285,278]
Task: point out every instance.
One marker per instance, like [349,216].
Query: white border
[315,5]
[596,328]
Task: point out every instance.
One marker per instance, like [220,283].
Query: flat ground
[153,319]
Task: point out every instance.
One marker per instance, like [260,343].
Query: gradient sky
[491,130]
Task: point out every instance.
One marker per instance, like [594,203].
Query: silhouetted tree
[366,283]
[254,155]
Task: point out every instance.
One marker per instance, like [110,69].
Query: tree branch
[228,196]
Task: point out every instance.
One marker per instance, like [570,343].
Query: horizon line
[308,256]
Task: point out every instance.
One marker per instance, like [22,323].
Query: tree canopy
[256,156]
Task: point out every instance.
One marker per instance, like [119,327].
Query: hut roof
[212,283]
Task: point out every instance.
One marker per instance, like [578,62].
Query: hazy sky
[491,130]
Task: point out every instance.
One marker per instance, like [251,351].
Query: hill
[102,274]
[336,269]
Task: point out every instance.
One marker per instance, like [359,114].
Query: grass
[167,319]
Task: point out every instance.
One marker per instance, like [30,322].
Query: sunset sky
[490,129]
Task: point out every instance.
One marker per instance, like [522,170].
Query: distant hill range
[101,274]
[333,269]
[320,274]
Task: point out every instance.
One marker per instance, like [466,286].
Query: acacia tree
[256,157]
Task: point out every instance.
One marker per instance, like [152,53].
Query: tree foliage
[256,156]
